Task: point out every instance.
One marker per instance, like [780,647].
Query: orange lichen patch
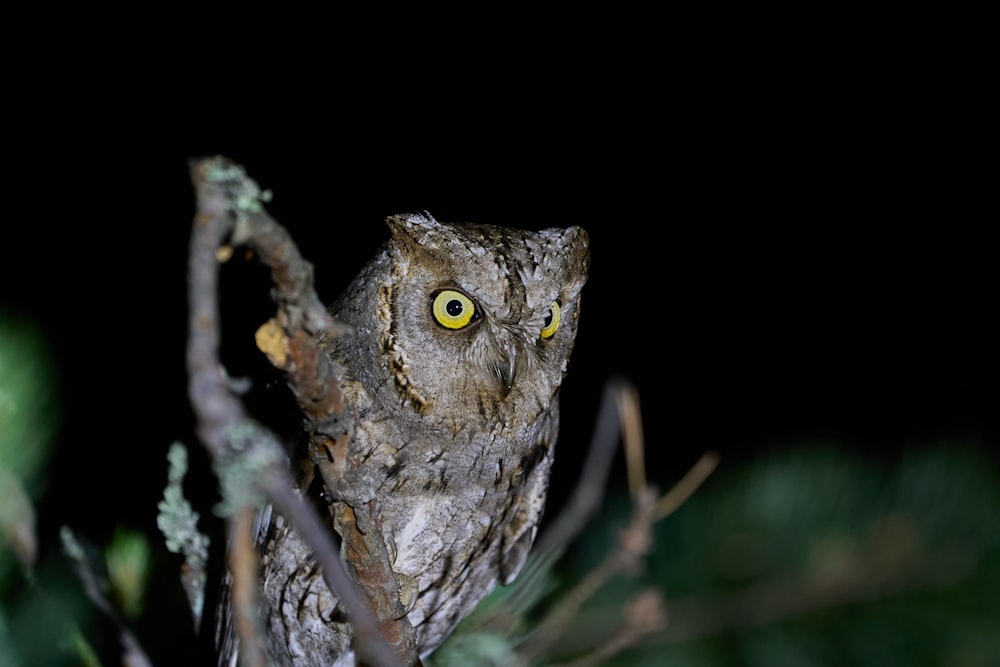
[272,342]
[224,253]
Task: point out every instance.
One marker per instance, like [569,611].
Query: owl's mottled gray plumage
[455,427]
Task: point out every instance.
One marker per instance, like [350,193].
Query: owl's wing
[302,620]
[526,511]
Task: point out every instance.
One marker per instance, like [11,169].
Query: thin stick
[631,425]
[244,568]
[687,485]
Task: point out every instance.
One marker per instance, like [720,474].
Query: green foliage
[28,421]
[483,649]
[808,555]
[28,415]
[45,617]
[817,556]
[48,622]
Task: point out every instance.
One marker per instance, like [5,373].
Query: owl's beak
[506,370]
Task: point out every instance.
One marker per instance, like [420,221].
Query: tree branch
[228,205]
[244,593]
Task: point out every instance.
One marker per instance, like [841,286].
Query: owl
[459,339]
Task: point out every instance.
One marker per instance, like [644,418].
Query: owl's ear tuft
[578,242]
[414,229]
[574,255]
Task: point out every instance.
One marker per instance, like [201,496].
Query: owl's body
[460,338]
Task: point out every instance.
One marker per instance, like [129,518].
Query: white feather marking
[419,536]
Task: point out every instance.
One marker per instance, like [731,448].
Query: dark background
[774,263]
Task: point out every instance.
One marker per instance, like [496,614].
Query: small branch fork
[229,210]
[867,575]
[644,613]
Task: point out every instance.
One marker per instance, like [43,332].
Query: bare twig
[644,615]
[634,543]
[589,490]
[227,202]
[860,579]
[630,419]
[244,567]
[687,485]
[586,498]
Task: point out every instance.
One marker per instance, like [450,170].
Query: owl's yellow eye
[551,321]
[453,309]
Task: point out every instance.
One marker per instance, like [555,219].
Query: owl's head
[472,317]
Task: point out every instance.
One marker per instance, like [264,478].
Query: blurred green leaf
[28,412]
[128,561]
[27,423]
